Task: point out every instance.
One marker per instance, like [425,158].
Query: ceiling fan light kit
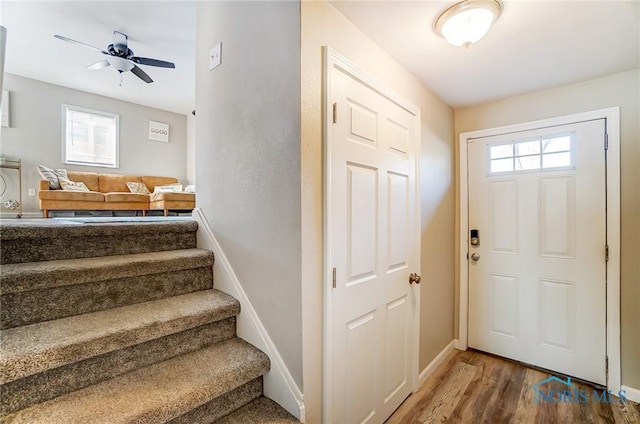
[466,22]
[121,57]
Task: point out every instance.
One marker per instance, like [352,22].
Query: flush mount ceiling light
[468,21]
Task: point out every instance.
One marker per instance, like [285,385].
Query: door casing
[612,117]
[333,60]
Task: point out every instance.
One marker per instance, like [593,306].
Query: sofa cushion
[73,185]
[168,196]
[110,183]
[126,197]
[152,182]
[80,196]
[170,188]
[138,188]
[52,176]
[90,179]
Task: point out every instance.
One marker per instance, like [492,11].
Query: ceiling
[161,30]
[534,45]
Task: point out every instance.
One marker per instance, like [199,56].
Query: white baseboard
[631,393]
[279,385]
[436,361]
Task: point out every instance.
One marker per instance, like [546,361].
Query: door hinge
[606,141]
[334,278]
[335,113]
[606,253]
[606,364]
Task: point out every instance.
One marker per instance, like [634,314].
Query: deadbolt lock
[475,238]
[414,278]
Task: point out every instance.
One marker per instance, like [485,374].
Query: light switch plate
[215,56]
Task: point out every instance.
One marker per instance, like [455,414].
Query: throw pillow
[52,176]
[73,185]
[169,188]
[138,188]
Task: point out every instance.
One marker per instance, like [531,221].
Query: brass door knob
[414,278]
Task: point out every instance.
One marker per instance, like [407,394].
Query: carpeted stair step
[54,239]
[44,360]
[260,411]
[41,291]
[157,393]
[222,405]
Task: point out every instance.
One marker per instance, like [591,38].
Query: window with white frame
[540,154]
[89,137]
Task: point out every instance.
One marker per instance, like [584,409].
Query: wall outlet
[215,57]
[32,192]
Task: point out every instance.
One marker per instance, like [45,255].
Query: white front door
[373,246]
[537,275]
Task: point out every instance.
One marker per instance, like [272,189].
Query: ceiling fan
[121,57]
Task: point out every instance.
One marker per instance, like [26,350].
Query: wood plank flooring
[471,387]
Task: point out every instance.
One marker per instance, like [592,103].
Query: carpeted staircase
[119,323]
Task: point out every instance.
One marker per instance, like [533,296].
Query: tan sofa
[109,192]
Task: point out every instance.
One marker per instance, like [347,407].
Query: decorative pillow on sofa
[73,185]
[169,188]
[138,188]
[53,176]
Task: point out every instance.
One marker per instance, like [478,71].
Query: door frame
[612,117]
[335,62]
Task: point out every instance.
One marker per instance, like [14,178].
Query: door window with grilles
[89,137]
[541,154]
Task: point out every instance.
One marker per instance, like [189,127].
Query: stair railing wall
[279,384]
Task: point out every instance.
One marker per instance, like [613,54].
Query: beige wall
[621,90]
[248,155]
[35,134]
[322,25]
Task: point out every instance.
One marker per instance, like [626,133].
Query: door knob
[414,278]
[475,257]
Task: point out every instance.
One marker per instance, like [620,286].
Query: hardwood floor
[472,387]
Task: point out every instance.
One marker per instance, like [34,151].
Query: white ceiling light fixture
[468,21]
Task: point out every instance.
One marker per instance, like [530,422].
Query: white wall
[191,149]
[3,42]
[621,90]
[35,133]
[322,25]
[248,156]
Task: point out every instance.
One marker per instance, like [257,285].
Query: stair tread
[38,347]
[156,393]
[260,411]
[19,277]
[53,239]
[74,227]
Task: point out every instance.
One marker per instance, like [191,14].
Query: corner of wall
[279,384]
[631,393]
[439,359]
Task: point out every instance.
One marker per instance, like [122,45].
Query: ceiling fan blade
[60,37]
[141,74]
[152,62]
[120,42]
[99,65]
